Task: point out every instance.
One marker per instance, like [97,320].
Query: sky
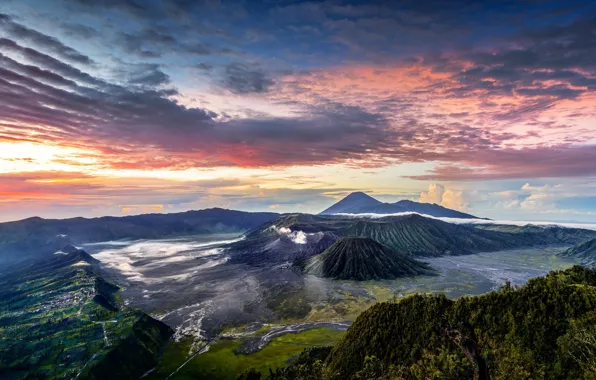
[119,107]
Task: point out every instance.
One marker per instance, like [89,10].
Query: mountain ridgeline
[585,251]
[301,236]
[542,330]
[36,237]
[362,259]
[361,203]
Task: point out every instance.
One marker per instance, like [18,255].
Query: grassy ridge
[221,363]
[60,319]
[585,251]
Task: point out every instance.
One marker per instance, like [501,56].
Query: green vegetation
[60,319]
[585,251]
[362,259]
[542,330]
[221,362]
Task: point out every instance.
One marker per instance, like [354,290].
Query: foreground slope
[60,319]
[361,203]
[362,259]
[36,237]
[585,251]
[543,330]
[301,236]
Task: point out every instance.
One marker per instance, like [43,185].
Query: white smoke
[297,237]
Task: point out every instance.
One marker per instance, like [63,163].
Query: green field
[221,363]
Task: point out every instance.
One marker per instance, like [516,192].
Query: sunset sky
[115,107]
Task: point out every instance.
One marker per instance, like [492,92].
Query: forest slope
[585,251]
[542,330]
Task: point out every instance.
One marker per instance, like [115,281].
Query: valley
[232,310]
[246,291]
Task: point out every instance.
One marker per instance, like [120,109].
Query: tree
[251,374]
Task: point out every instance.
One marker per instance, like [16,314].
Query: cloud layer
[158,88]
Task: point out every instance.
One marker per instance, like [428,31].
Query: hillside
[585,251]
[542,330]
[300,236]
[362,259]
[36,237]
[59,319]
[361,203]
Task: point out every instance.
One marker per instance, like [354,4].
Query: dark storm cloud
[244,79]
[49,62]
[129,6]
[154,42]
[558,48]
[149,75]
[79,30]
[41,40]
[203,66]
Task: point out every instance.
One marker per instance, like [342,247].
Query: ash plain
[189,284]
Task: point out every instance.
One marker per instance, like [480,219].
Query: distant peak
[69,248]
[353,203]
[405,201]
[358,194]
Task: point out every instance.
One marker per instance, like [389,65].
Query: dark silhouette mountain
[361,203]
[410,234]
[362,259]
[353,203]
[432,209]
[69,248]
[585,251]
[35,237]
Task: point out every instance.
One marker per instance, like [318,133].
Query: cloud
[542,201]
[557,161]
[243,79]
[149,75]
[203,66]
[42,41]
[433,195]
[442,84]
[446,197]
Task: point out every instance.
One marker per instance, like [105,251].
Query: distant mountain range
[361,203]
[35,237]
[300,236]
